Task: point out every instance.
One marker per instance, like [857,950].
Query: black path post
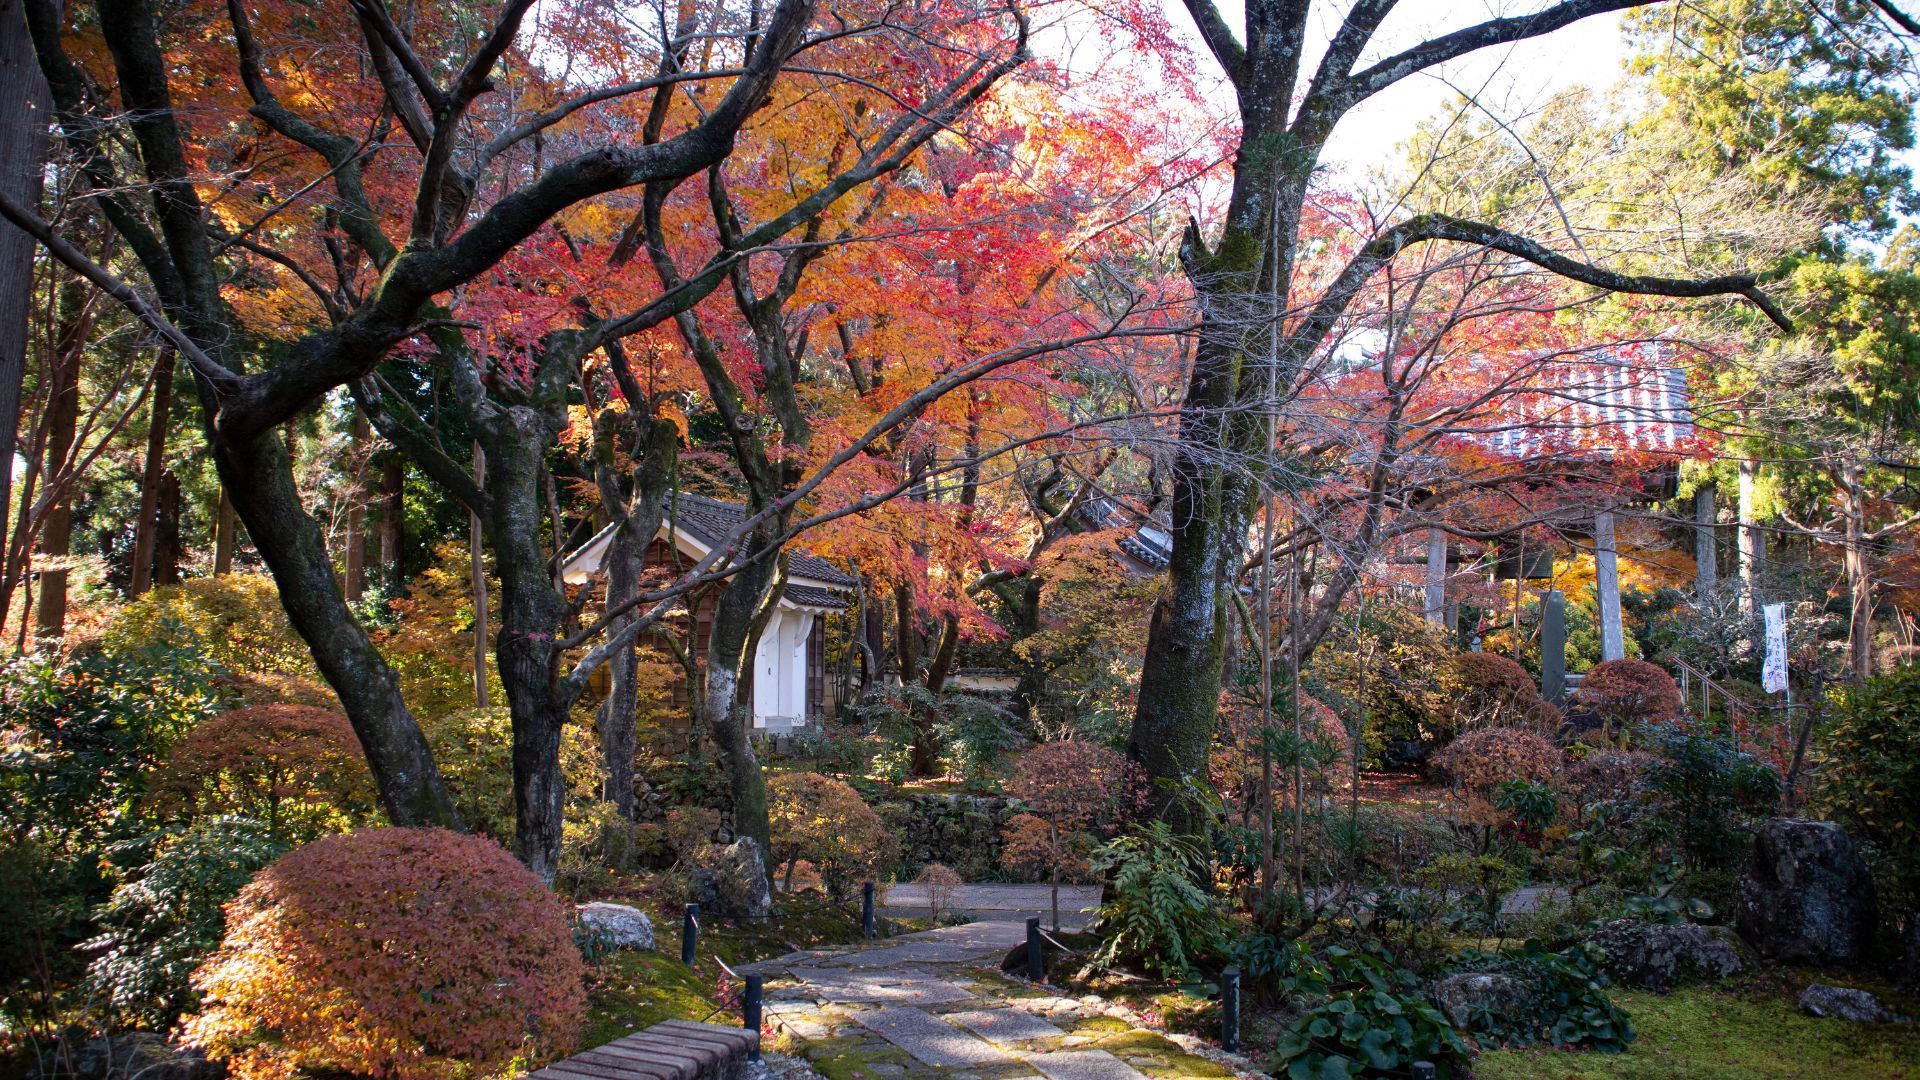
[689,934]
[1424,1070]
[750,1011]
[1230,1010]
[1036,960]
[866,909]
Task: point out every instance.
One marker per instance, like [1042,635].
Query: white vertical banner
[1773,677]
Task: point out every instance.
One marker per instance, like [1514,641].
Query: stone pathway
[936,1004]
[1010,903]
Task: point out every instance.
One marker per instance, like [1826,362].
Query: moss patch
[633,990]
[1100,1024]
[851,1058]
[1138,1047]
[1747,1032]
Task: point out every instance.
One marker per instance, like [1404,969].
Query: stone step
[1084,1065]
[1004,1026]
[929,1040]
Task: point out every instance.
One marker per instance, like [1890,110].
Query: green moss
[633,990]
[1099,1024]
[1741,1033]
[851,1058]
[1166,1055]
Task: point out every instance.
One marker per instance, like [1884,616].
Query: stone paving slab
[880,987]
[1004,1025]
[929,1040]
[926,952]
[1084,1065]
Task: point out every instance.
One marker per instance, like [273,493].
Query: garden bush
[236,619]
[1489,690]
[1627,693]
[1157,915]
[1708,790]
[297,769]
[391,952]
[828,824]
[1561,999]
[1375,1024]
[1479,761]
[1869,778]
[166,917]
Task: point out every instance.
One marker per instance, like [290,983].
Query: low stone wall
[960,831]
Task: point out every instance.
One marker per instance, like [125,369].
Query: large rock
[617,925]
[1843,1003]
[1808,899]
[127,1056]
[1464,996]
[1656,957]
[733,882]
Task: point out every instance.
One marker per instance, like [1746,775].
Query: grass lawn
[1743,1031]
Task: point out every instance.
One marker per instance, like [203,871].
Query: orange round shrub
[825,822]
[1625,692]
[1481,760]
[297,768]
[1489,690]
[406,953]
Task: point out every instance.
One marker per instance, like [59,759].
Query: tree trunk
[63,417]
[225,535]
[258,476]
[356,584]
[24,120]
[477,568]
[1859,571]
[618,740]
[166,532]
[531,611]
[393,522]
[1747,537]
[724,709]
[145,526]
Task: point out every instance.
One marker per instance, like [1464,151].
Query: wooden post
[1706,572]
[1606,584]
[1436,576]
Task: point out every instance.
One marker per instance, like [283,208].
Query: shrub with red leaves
[1481,760]
[1628,692]
[406,953]
[1490,690]
[297,768]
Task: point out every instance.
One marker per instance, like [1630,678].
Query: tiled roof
[1618,401]
[818,598]
[712,521]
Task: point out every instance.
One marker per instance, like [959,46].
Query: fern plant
[1160,916]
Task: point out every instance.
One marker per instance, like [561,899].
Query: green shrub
[166,917]
[1376,1024]
[1157,914]
[1562,1001]
[1709,791]
[1869,769]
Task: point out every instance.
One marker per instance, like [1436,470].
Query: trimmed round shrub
[1482,760]
[298,769]
[394,953]
[1490,690]
[827,823]
[1629,692]
[1611,775]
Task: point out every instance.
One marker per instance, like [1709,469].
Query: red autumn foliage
[297,768]
[1625,692]
[1481,760]
[406,953]
[1076,784]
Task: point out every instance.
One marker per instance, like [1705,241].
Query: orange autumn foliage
[416,954]
[296,768]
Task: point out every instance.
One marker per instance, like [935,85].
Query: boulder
[617,925]
[1843,1003]
[1464,996]
[1651,956]
[733,882]
[1808,898]
[126,1056]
